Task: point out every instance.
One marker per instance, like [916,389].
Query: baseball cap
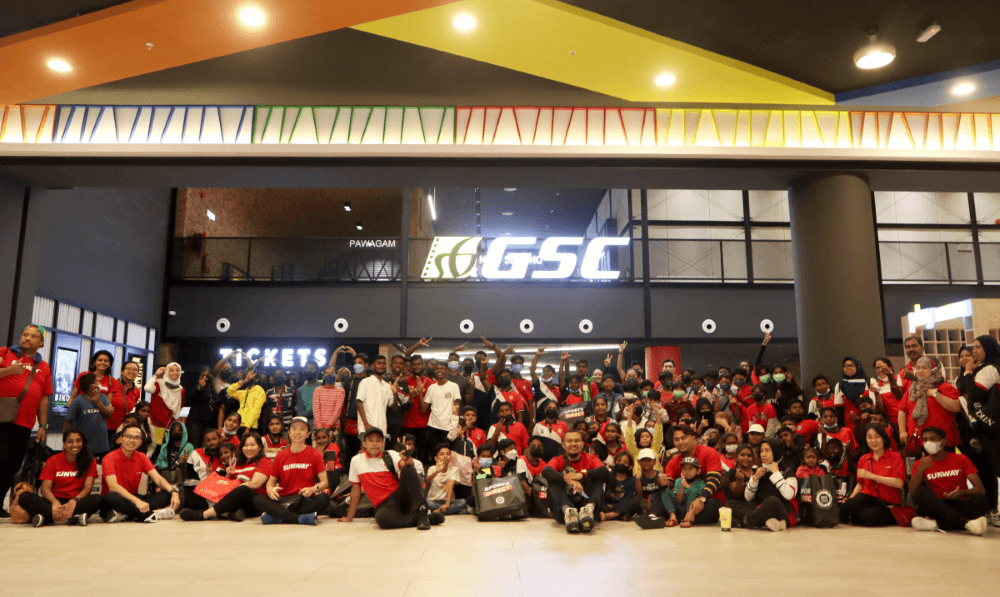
[756,428]
[300,420]
[692,461]
[372,431]
[646,453]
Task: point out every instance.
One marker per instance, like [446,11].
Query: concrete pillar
[837,300]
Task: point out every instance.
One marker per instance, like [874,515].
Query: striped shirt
[327,405]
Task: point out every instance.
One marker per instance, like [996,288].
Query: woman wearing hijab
[772,491]
[167,398]
[981,378]
[852,387]
[930,401]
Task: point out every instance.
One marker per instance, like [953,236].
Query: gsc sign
[509,258]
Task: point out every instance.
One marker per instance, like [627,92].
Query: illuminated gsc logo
[458,257]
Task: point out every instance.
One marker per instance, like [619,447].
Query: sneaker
[977,526]
[309,519]
[237,516]
[423,521]
[648,521]
[469,509]
[37,520]
[572,520]
[435,518]
[587,518]
[112,516]
[924,524]
[775,525]
[165,513]
[148,517]
[994,518]
[78,519]
[266,518]
[191,515]
[4,513]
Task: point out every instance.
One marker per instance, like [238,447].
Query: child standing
[686,490]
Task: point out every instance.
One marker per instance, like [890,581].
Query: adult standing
[131,395]
[121,471]
[930,401]
[281,401]
[167,399]
[440,400]
[251,397]
[203,414]
[67,480]
[25,380]
[980,381]
[374,396]
[881,474]
[914,349]
[100,365]
[328,403]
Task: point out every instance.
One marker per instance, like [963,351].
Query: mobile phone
[408,453]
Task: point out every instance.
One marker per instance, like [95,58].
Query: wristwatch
[703,499]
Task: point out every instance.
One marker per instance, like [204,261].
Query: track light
[874,54]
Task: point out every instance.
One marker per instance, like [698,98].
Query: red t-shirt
[515,431]
[111,388]
[937,415]
[760,415]
[62,473]
[884,391]
[249,469]
[710,463]
[160,414]
[12,385]
[889,465]
[534,470]
[123,403]
[332,450]
[234,439]
[476,436]
[845,435]
[587,462]
[413,418]
[512,396]
[950,473]
[297,471]
[524,387]
[377,481]
[127,471]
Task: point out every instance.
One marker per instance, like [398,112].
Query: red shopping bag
[215,487]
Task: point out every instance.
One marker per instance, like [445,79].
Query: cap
[646,453]
[299,420]
[785,428]
[756,428]
[372,431]
[692,461]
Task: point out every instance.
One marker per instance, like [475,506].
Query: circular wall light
[527,326]
[767,326]
[222,325]
[708,326]
[466,326]
[586,326]
[340,325]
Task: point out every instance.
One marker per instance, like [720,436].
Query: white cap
[756,428]
[646,453]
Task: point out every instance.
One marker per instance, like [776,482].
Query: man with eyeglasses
[121,472]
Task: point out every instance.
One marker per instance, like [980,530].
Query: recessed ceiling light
[464,22]
[874,54]
[60,66]
[963,89]
[510,189]
[665,80]
[506,213]
[359,226]
[347,206]
[252,17]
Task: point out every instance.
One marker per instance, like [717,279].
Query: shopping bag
[575,412]
[215,487]
[818,501]
[500,497]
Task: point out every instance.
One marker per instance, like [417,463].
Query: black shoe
[4,513]
[37,520]
[435,518]
[147,517]
[648,521]
[191,515]
[237,516]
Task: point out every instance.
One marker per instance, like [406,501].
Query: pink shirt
[328,403]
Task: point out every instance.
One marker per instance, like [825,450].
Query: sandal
[671,523]
[686,525]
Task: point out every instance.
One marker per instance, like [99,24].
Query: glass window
[768,206]
[679,204]
[988,208]
[772,255]
[921,208]
[926,256]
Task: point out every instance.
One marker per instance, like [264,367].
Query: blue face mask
[516,368]
[485,462]
[329,379]
[359,367]
[453,365]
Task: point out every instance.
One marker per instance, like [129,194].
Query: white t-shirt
[375,394]
[441,398]
[437,490]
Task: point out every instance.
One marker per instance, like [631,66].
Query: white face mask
[511,454]
[547,380]
[932,448]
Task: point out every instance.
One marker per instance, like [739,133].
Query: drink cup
[726,518]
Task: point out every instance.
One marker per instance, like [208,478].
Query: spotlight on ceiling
[665,80]
[347,206]
[360,227]
[506,213]
[60,65]
[874,54]
[963,89]
[464,22]
[929,32]
[510,189]
[252,17]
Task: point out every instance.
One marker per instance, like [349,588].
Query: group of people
[408,442]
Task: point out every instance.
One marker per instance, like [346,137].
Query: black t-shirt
[619,490]
[739,496]
[650,486]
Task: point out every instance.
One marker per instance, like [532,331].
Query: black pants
[866,510]
[402,508]
[196,433]
[315,503]
[36,504]
[13,445]
[560,498]
[435,437]
[988,464]
[116,501]
[626,508]
[240,498]
[422,448]
[192,500]
[352,444]
[949,514]
[771,507]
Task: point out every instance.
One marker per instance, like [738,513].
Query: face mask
[637,410]
[516,368]
[551,414]
[504,383]
[765,378]
[731,448]
[453,366]
[687,422]
[686,378]
[508,420]
[311,375]
[678,393]
[358,368]
[548,380]
[329,379]
[739,382]
[823,393]
[724,386]
[176,436]
[536,451]
[468,369]
[709,386]
[825,426]
[645,394]
[511,454]
[779,377]
[712,441]
[932,448]
[621,468]
[865,412]
[225,375]
[575,392]
[279,380]
[485,462]
[757,396]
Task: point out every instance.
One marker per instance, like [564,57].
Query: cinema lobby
[511,297]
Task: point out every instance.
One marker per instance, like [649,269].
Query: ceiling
[534,212]
[576,52]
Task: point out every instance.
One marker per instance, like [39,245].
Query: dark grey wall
[103,249]
[11,202]
[736,311]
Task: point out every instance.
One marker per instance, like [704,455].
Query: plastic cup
[726,518]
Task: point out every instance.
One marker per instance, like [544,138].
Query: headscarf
[170,392]
[853,386]
[777,450]
[918,389]
[992,350]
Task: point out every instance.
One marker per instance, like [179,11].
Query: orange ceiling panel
[112,44]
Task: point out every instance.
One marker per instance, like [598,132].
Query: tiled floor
[506,559]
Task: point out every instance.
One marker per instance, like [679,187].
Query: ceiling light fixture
[510,189]
[464,22]
[60,65]
[430,201]
[506,213]
[665,80]
[874,54]
[252,17]
[347,206]
[360,227]
[928,33]
[963,89]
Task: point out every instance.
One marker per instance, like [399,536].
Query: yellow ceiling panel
[559,42]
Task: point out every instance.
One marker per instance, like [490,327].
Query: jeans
[119,503]
[36,504]
[403,507]
[949,514]
[559,496]
[866,511]
[13,445]
[457,506]
[315,503]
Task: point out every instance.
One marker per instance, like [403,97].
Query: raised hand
[767,338]
[622,347]
[425,342]
[487,343]
[508,350]
[607,360]
[565,356]
[540,351]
